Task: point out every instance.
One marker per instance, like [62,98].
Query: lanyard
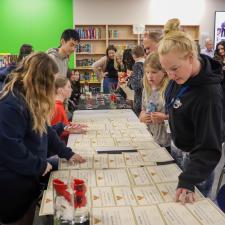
[170,102]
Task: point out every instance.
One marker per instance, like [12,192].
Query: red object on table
[79,187]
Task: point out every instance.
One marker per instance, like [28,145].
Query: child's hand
[145,117]
[76,129]
[158,117]
[74,125]
[76,158]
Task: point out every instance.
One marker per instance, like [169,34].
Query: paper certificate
[135,132]
[146,145]
[102,196]
[148,215]
[124,196]
[82,143]
[87,175]
[168,191]
[147,195]
[83,150]
[103,142]
[144,136]
[90,134]
[133,159]
[112,216]
[206,212]
[103,133]
[116,161]
[47,203]
[123,142]
[135,125]
[176,214]
[125,133]
[96,126]
[165,173]
[143,139]
[139,176]
[115,133]
[88,164]
[155,155]
[112,177]
[101,161]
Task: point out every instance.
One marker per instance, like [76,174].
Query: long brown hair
[35,77]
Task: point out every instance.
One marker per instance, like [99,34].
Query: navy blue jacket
[4,72]
[196,121]
[22,150]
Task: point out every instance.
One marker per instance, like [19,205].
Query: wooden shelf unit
[97,37]
[193,30]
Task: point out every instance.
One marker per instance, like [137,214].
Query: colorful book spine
[89,33]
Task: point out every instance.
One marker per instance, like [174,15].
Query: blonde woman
[153,114]
[194,103]
[25,109]
[118,62]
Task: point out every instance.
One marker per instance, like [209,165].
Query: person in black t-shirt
[104,68]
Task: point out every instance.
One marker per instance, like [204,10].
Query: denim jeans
[108,84]
[182,159]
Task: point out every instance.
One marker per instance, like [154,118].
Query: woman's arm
[98,66]
[16,142]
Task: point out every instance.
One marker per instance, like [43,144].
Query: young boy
[68,42]
[135,80]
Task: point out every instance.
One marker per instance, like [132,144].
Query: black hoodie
[196,121]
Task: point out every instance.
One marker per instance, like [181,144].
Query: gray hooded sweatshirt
[62,62]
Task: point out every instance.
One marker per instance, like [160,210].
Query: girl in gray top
[153,105]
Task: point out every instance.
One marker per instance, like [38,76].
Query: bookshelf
[94,41]
[7,59]
[96,38]
[193,30]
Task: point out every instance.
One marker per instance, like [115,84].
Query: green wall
[36,22]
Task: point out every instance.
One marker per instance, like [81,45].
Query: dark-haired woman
[104,68]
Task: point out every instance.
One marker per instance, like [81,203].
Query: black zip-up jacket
[196,121]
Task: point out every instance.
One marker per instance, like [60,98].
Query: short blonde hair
[155,36]
[138,51]
[176,40]
[152,61]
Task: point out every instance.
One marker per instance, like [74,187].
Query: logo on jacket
[177,104]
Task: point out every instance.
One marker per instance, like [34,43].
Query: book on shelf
[113,33]
[84,48]
[89,33]
[85,62]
